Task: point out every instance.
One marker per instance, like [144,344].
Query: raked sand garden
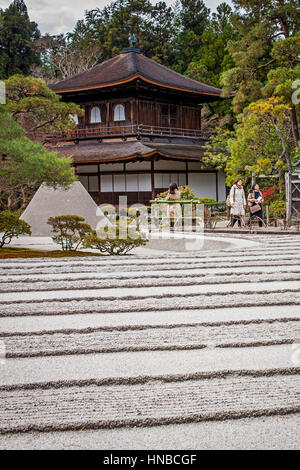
[158,349]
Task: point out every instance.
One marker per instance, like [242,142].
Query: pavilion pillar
[107,115]
[152,179]
[99,184]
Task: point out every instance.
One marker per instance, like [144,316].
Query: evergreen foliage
[17,37]
[11,226]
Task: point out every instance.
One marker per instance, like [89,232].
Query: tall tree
[62,57]
[37,108]
[279,16]
[24,165]
[17,36]
[281,80]
[261,144]
[213,57]
[269,40]
[192,20]
[153,25]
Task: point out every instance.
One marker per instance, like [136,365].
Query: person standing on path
[237,202]
[174,210]
[255,199]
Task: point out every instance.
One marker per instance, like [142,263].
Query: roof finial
[132,40]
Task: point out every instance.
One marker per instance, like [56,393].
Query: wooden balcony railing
[127,131]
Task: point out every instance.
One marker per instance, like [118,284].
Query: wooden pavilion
[140,131]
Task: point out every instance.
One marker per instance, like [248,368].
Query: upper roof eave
[133,78]
[130,66]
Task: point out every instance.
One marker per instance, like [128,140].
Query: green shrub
[68,231]
[206,200]
[185,193]
[11,226]
[113,214]
[113,244]
[277,209]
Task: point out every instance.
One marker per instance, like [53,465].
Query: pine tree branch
[261,66]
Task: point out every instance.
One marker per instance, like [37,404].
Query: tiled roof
[127,67]
[125,151]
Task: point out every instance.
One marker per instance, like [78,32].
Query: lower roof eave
[129,151]
[134,157]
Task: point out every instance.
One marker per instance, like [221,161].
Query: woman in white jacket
[237,202]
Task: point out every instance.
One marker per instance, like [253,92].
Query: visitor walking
[174,210]
[255,201]
[237,202]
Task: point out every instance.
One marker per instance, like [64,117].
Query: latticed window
[164,118]
[95,115]
[119,112]
[173,116]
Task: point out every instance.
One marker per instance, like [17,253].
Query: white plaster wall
[128,183]
[119,183]
[144,182]
[203,184]
[132,183]
[106,183]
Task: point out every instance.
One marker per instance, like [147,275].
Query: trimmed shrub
[186,193]
[277,209]
[11,226]
[206,200]
[69,231]
[113,245]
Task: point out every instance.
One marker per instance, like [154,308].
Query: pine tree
[25,165]
[266,56]
[192,20]
[17,36]
[213,57]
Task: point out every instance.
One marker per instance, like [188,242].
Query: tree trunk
[294,123]
[23,198]
[284,153]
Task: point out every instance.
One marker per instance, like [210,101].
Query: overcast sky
[60,16]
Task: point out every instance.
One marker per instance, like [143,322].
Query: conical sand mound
[48,202]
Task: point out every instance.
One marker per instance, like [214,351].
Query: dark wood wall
[169,115]
[147,112]
[107,113]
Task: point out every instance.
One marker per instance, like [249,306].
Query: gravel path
[150,341]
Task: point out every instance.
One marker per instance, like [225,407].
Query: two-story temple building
[140,131]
